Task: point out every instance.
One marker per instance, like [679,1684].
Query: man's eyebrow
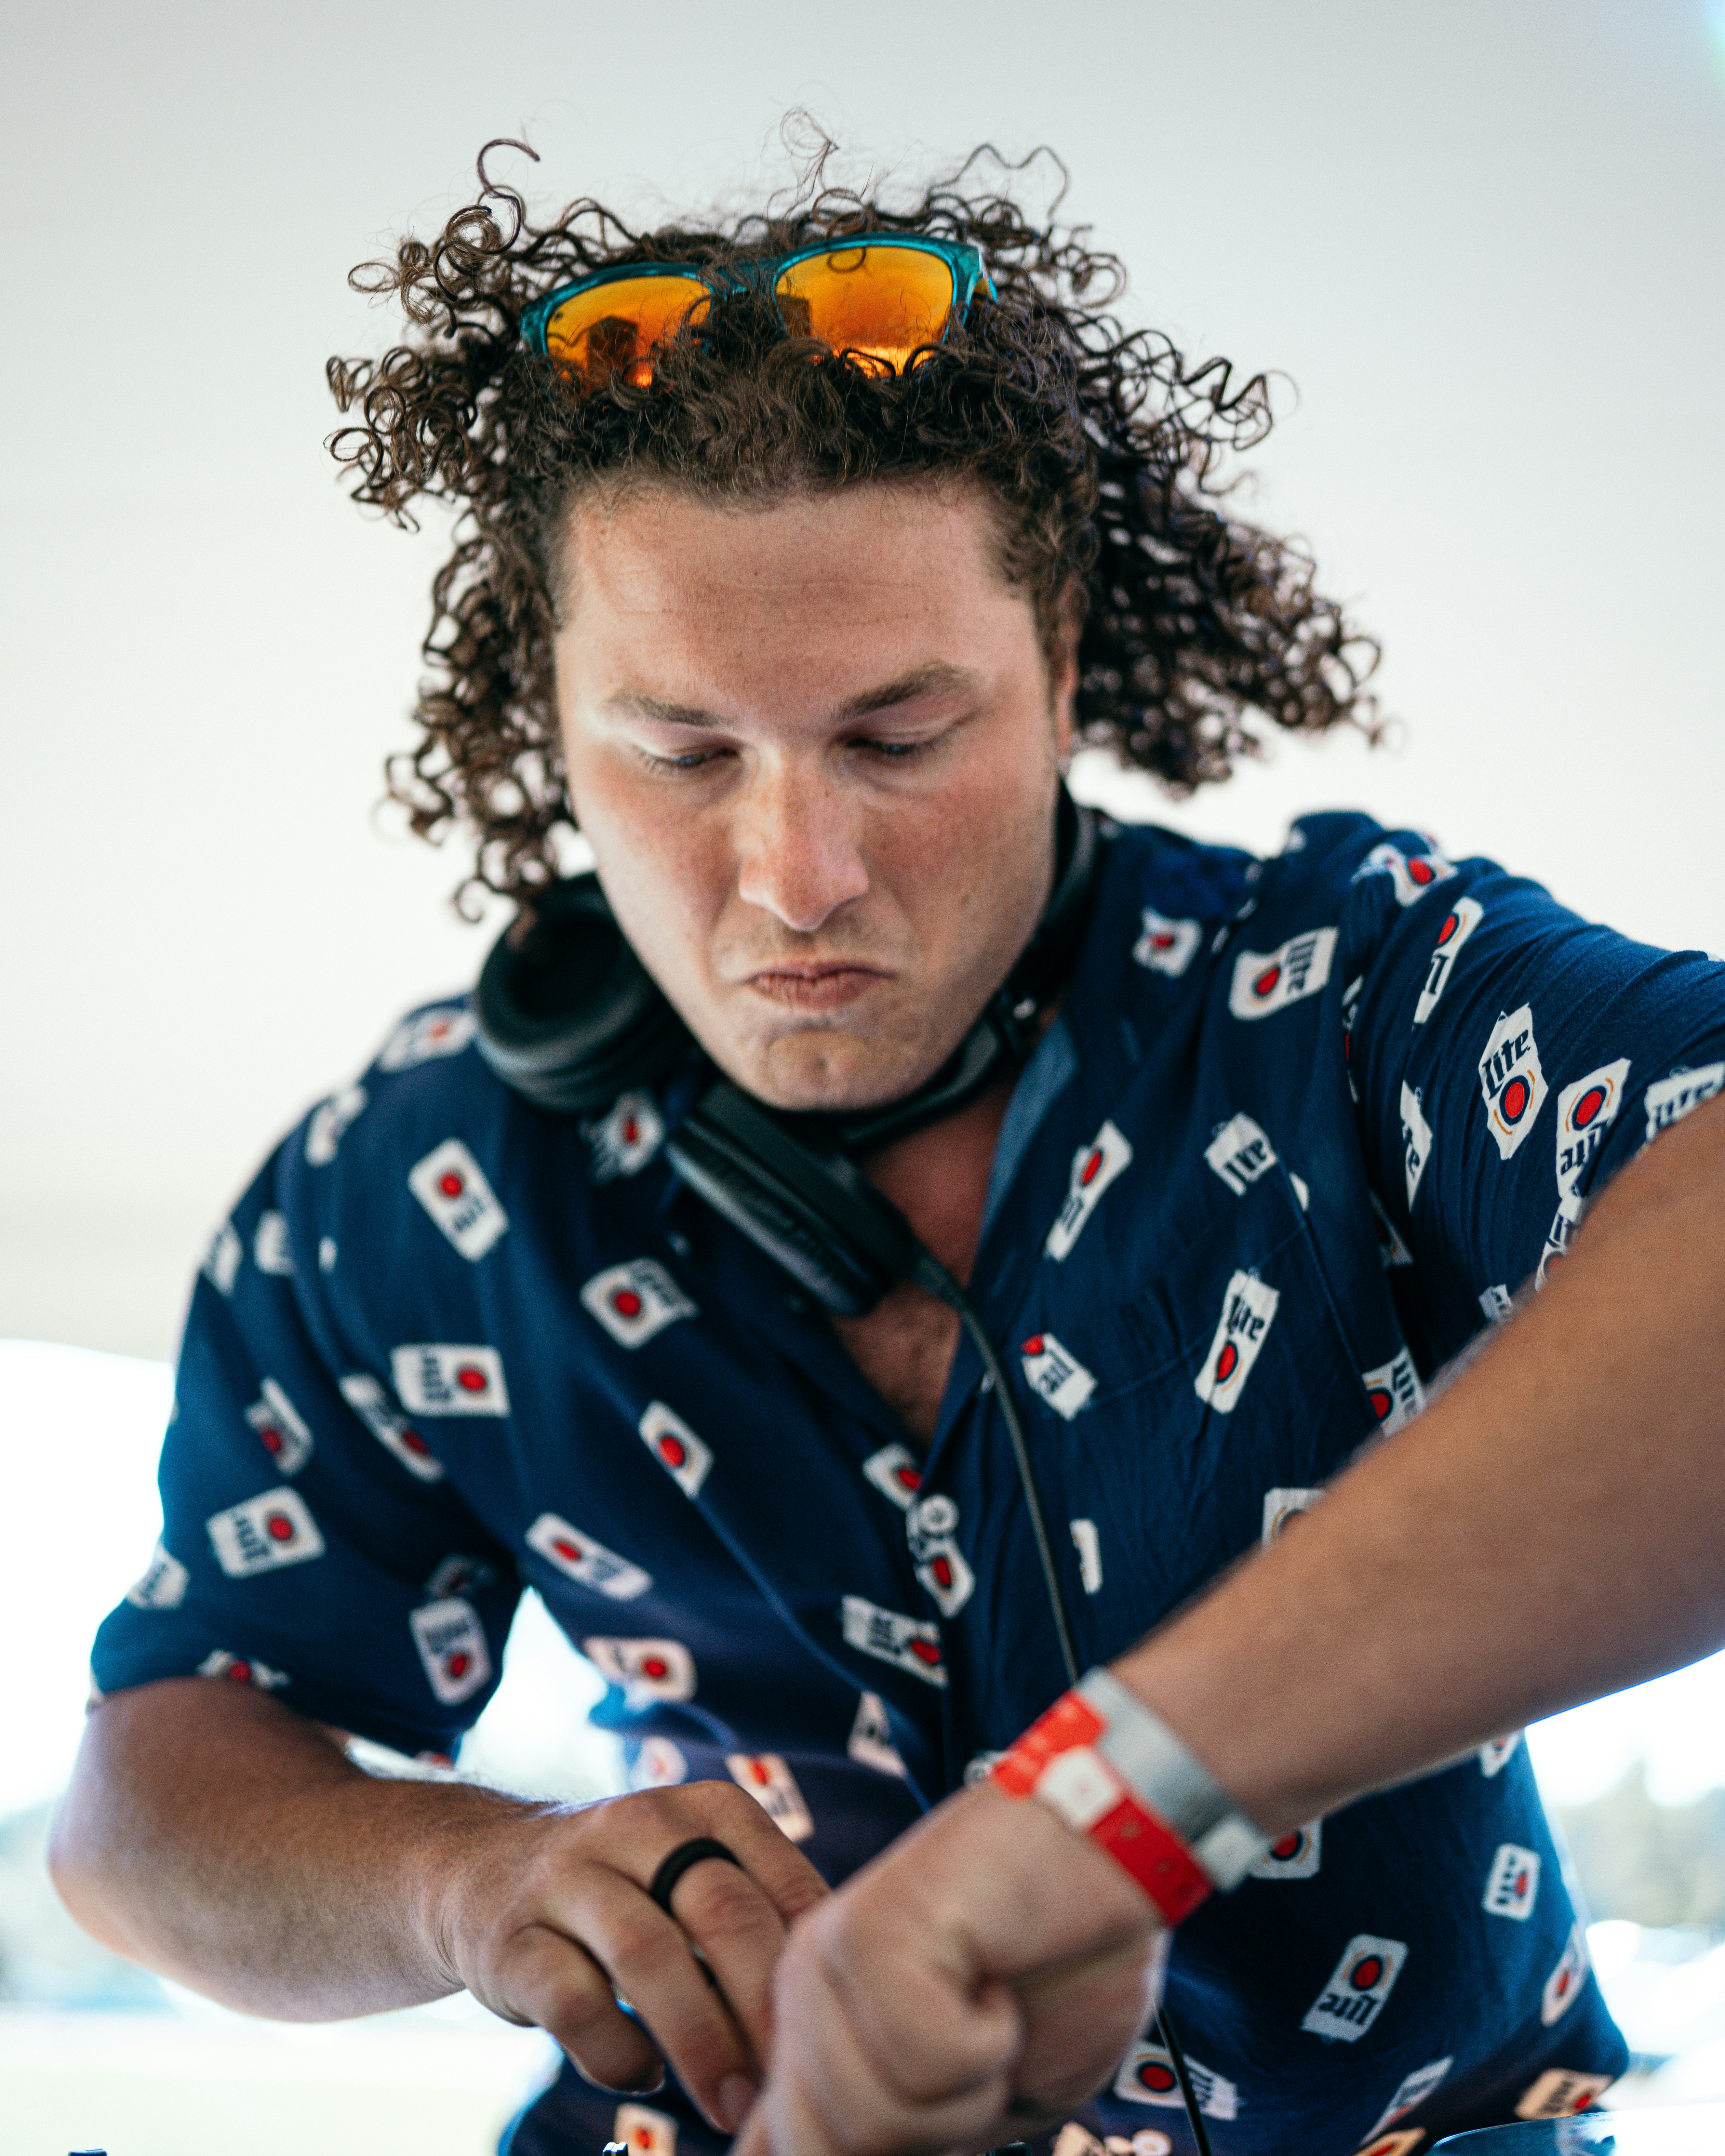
[937,679]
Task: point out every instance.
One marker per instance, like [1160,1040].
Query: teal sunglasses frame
[965,261]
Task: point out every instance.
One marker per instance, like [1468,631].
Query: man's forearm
[1552,1528]
[218,1837]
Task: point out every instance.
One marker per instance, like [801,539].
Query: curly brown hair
[1099,448]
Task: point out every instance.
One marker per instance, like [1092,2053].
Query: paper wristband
[1078,1761]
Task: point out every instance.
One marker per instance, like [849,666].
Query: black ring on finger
[681,1858]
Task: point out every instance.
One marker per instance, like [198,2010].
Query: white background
[1481,240]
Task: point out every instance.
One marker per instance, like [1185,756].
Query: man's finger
[740,1931]
[547,1979]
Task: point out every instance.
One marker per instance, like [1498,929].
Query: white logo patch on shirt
[453,1647]
[893,1472]
[1282,1507]
[439,1377]
[281,1431]
[931,1528]
[1498,1303]
[164,1584]
[683,1455]
[1512,1883]
[451,1185]
[268,1531]
[223,1259]
[1394,1391]
[329,1121]
[1560,2093]
[890,1636]
[1094,1167]
[635,1301]
[239,1669]
[458,1574]
[646,1670]
[1669,1100]
[1512,1083]
[1585,1111]
[1360,1982]
[644,2132]
[1416,1140]
[1412,875]
[1146,2076]
[371,1404]
[1055,1374]
[627,1138]
[1563,1987]
[660,1764]
[1248,1311]
[1496,1752]
[271,1252]
[581,1557]
[1239,1152]
[1165,946]
[871,1743]
[1268,981]
[773,1787]
[1295,1855]
[1414,2089]
[1088,1543]
[1459,924]
[444,1032]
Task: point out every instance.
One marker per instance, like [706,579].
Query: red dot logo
[1288,1848]
[1265,982]
[1366,1971]
[1227,1362]
[271,1438]
[631,1130]
[280,1527]
[911,1478]
[1033,1346]
[760,1773]
[570,1553]
[451,1184]
[942,1570]
[1519,1889]
[654,1667]
[238,1673]
[1088,1173]
[472,1380]
[1383,1400]
[1162,941]
[1421,871]
[672,1450]
[626,1302]
[1561,1989]
[1448,930]
[926,1652]
[457,1664]
[1156,2076]
[1513,1104]
[1587,1107]
[413,1442]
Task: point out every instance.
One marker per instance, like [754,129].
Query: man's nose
[797,857]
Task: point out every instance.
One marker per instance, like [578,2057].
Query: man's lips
[823,987]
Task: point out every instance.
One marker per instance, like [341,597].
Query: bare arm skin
[1551,1528]
[214,1835]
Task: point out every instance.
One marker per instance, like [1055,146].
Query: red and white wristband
[1114,1772]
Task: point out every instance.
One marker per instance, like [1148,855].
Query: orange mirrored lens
[880,301]
[612,329]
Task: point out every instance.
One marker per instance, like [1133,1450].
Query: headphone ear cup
[567,1014]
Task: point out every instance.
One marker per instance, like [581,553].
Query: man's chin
[828,1072]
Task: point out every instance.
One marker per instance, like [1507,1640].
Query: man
[797,559]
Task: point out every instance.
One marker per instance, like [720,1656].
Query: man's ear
[1063,637]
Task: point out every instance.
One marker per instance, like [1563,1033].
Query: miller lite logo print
[1055,1374]
[1282,1507]
[890,1636]
[436,1378]
[223,1261]
[1353,1998]
[1458,925]
[1088,1543]
[627,1139]
[1165,946]
[1393,1389]
[931,1528]
[583,1557]
[644,2133]
[280,1430]
[1512,1883]
[270,1250]
[893,1472]
[326,1124]
[645,1670]
[1496,1752]
[1268,981]
[266,1531]
[685,1457]
[371,1404]
[1413,2090]
[635,1301]
[1410,874]
[1585,1111]
[1295,1855]
[1094,1167]
[1512,1083]
[451,1186]
[163,1585]
[1671,1099]
[773,1787]
[1416,1140]
[1563,1987]
[870,1742]
[1558,2093]
[1248,1311]
[660,1764]
[1147,2076]
[240,1669]
[1239,1152]
[1496,1302]
[443,1032]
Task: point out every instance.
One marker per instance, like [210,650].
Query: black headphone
[569,1017]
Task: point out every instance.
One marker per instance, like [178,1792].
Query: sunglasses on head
[882,299]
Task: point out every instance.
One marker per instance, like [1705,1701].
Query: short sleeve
[311,1545]
[1507,1059]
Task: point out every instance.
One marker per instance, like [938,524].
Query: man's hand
[974,1982]
[546,1920]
